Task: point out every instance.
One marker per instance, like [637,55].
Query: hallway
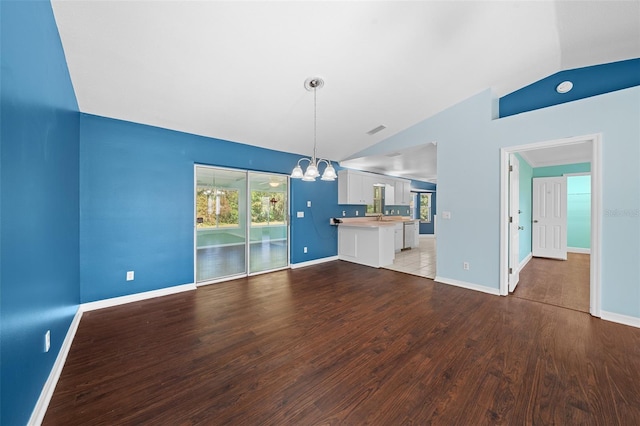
[556,282]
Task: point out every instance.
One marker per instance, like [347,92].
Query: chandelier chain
[315,123]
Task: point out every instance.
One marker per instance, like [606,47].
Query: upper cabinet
[356,187]
[403,193]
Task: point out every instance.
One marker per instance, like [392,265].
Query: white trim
[427,235]
[620,319]
[115,301]
[578,250]
[469,286]
[50,385]
[595,292]
[313,262]
[525,261]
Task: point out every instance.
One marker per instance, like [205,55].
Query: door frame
[514,224]
[595,291]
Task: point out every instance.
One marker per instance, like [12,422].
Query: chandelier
[314,83]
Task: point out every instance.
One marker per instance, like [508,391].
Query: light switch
[308,203]
[300,214]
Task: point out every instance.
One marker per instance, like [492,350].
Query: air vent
[376,130]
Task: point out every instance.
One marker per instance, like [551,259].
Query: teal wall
[579,212]
[526,173]
[551,171]
[39,254]
[473,197]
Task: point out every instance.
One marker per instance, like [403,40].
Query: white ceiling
[235,70]
[580,152]
[418,162]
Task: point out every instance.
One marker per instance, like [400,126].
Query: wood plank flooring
[557,282]
[340,343]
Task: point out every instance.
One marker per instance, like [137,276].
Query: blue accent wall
[587,82]
[426,228]
[136,191]
[39,139]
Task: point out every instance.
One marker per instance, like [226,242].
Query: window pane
[425,207]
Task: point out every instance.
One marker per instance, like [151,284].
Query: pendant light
[312,172]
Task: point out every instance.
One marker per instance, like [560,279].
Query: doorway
[241,223]
[592,145]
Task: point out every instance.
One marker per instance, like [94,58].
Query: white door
[550,217]
[514,222]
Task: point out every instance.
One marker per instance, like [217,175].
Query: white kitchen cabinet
[355,188]
[402,193]
[398,236]
[389,195]
[367,245]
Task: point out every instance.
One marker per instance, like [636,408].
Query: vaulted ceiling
[235,70]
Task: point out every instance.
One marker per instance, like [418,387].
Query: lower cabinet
[366,245]
[398,237]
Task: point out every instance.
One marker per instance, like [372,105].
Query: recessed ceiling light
[564,87]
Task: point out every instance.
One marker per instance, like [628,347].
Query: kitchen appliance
[409,235]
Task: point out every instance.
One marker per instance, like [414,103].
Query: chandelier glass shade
[312,171]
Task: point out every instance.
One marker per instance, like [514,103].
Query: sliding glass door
[221,223]
[268,230]
[233,207]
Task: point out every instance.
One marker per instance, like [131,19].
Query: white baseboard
[313,262]
[578,250]
[469,286]
[50,385]
[115,301]
[525,261]
[620,319]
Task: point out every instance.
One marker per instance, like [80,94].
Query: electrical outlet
[299,214]
[130,275]
[357,213]
[47,341]
[465,266]
[344,213]
[308,203]
[305,249]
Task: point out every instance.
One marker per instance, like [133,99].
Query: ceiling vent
[376,130]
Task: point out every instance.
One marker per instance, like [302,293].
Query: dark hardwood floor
[562,283]
[340,343]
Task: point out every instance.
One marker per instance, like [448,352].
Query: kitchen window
[425,207]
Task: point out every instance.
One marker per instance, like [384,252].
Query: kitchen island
[368,241]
